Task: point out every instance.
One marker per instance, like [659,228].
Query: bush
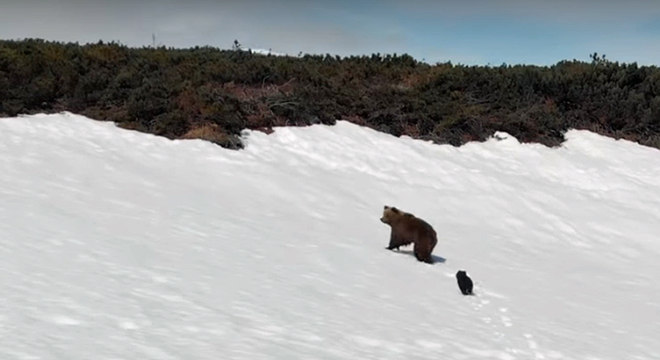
[175,92]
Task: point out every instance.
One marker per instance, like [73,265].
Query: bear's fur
[464,282]
[407,229]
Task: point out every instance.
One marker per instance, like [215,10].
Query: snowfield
[122,245]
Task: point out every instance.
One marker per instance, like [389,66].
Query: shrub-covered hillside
[213,94]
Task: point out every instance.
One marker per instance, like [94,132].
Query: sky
[117,244]
[470,32]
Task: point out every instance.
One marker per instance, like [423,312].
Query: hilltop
[213,94]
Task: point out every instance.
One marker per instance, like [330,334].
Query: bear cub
[407,229]
[464,282]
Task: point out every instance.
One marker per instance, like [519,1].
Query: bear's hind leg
[423,254]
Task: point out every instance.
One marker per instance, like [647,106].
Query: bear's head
[461,274]
[389,214]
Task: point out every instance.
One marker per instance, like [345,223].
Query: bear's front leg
[394,242]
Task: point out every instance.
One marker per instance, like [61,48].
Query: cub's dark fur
[464,282]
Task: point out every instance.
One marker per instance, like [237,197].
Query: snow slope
[122,245]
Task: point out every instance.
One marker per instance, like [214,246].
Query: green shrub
[173,92]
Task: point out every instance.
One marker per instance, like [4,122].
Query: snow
[267,52]
[122,245]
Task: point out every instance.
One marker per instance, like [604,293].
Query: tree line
[213,94]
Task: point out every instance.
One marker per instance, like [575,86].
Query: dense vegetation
[213,94]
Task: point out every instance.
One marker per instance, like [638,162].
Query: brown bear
[406,229]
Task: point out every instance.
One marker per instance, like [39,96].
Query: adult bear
[406,229]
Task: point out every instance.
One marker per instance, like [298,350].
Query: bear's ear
[395,210]
[386,207]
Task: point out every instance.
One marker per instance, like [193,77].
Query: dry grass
[214,134]
[247,93]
